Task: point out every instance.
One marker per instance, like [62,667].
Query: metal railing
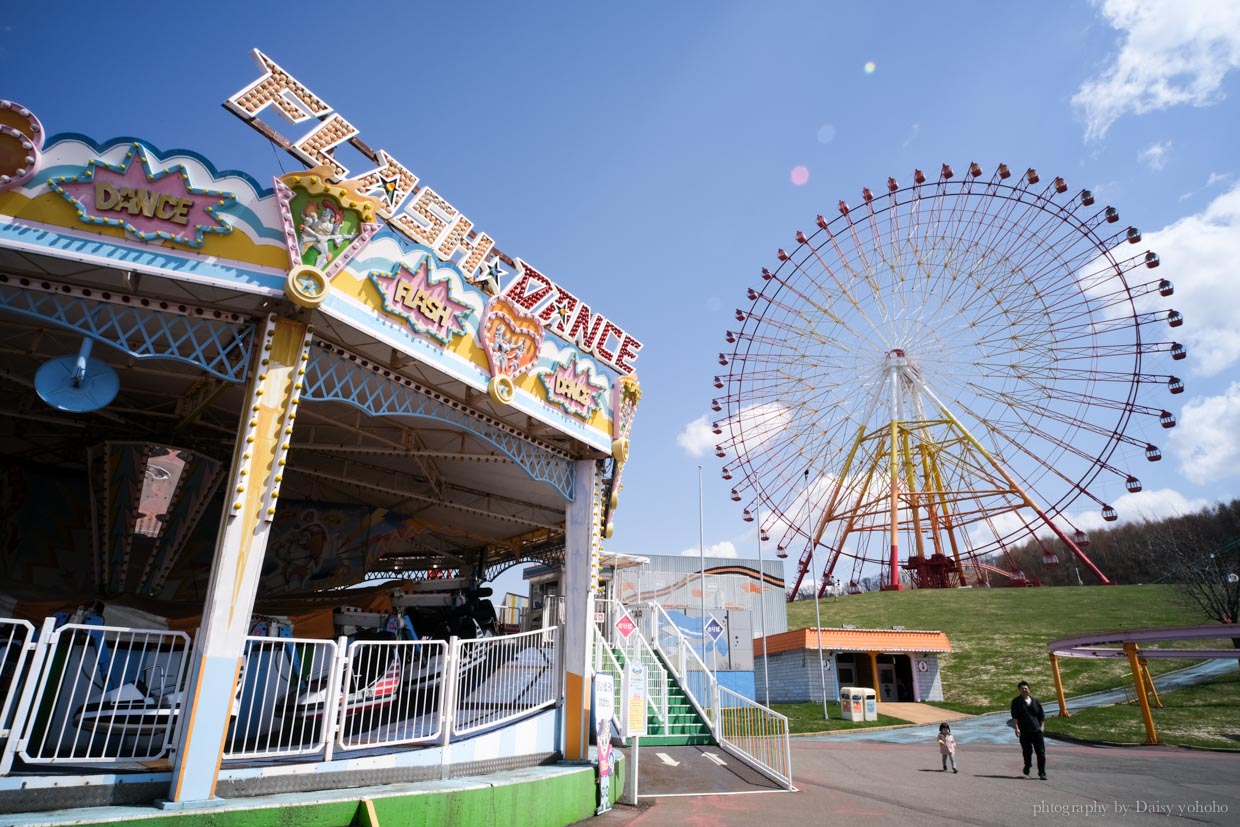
[101,694]
[393,693]
[636,647]
[90,694]
[16,641]
[750,731]
[501,679]
[756,734]
[697,681]
[605,661]
[269,715]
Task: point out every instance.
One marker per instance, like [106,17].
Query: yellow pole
[1149,681]
[1063,702]
[1151,737]
[874,671]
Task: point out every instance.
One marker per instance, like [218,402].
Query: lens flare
[870,66]
[799,176]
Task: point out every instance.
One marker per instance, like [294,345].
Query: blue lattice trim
[334,374]
[217,342]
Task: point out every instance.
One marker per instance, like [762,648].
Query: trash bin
[852,707]
[871,704]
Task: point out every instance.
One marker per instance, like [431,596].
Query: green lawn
[999,636]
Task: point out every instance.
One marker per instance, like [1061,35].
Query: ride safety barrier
[756,734]
[87,694]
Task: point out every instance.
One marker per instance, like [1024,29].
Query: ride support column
[582,543]
[273,387]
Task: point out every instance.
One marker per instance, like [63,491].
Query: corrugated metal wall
[731,583]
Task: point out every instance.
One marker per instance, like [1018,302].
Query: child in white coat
[947,747]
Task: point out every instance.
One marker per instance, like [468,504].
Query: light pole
[702,559]
[822,671]
[766,675]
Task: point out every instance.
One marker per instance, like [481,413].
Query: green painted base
[543,797]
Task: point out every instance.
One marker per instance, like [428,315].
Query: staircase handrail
[680,663]
[605,661]
[656,672]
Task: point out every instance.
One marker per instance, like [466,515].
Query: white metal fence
[635,647]
[697,681]
[16,642]
[501,679]
[756,734]
[89,694]
[100,694]
[393,693]
[269,715]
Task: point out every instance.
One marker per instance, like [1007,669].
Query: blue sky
[642,155]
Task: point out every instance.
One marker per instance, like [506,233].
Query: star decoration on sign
[309,284]
[387,191]
[488,279]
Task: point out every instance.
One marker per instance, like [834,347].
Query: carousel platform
[548,795]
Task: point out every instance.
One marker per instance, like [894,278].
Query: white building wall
[796,678]
[930,681]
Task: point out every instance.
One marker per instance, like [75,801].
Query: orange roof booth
[898,664]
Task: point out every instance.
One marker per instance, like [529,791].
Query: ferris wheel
[934,376]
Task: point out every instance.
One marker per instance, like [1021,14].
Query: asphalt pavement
[894,776]
[901,784]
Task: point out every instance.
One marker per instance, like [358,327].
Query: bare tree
[1208,580]
[1212,582]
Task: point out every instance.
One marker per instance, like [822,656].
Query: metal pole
[766,675]
[822,670]
[1063,702]
[1138,681]
[702,559]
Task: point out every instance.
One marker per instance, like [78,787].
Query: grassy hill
[999,636]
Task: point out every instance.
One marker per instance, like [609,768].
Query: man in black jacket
[1029,720]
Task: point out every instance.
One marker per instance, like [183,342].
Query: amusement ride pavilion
[221,391]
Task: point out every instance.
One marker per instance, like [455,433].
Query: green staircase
[684,725]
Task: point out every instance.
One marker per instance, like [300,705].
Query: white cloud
[759,424]
[697,437]
[1173,52]
[749,429]
[724,549]
[1207,441]
[1199,254]
[1154,156]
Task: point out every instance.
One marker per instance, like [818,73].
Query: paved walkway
[920,713]
[846,782]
